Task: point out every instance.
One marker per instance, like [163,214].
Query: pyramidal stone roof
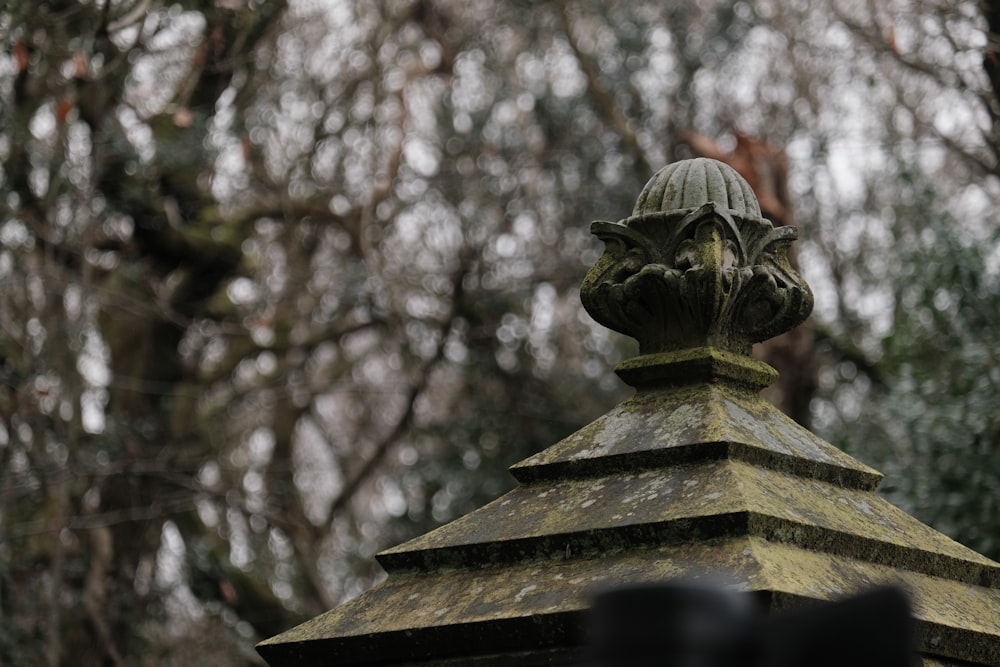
[695,476]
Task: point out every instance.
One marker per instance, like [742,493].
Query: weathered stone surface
[662,426]
[466,607]
[696,266]
[694,477]
[688,184]
[700,482]
[686,504]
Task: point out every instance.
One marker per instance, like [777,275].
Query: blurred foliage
[285,283]
[928,419]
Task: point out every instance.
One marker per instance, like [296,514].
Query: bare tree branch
[403,422]
[605,103]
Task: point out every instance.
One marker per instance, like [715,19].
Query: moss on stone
[698,481]
[694,477]
[553,592]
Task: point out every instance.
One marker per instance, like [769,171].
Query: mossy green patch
[554,592]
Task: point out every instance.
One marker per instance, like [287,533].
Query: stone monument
[694,477]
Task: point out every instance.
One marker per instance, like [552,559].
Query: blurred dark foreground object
[678,625]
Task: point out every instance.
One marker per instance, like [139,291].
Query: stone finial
[696,273]
[694,482]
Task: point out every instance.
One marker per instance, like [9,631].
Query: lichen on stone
[696,266]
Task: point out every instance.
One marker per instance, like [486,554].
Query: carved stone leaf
[709,272]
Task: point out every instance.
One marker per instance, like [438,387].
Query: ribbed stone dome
[692,183]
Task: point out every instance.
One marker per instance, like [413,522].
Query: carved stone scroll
[696,266]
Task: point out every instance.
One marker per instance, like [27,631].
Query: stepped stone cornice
[695,476]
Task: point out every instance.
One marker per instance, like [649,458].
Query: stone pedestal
[693,477]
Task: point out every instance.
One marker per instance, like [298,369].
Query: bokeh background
[285,283]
